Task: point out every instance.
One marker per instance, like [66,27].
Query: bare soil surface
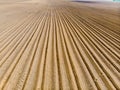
[59,45]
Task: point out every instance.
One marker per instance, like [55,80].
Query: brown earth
[47,45]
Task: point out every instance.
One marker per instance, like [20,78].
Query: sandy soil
[49,45]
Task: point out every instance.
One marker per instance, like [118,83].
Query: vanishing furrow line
[107,51]
[24,77]
[43,83]
[87,22]
[95,35]
[7,54]
[29,82]
[72,74]
[63,69]
[76,14]
[48,68]
[57,79]
[43,44]
[105,30]
[108,25]
[98,58]
[21,62]
[108,29]
[19,24]
[13,37]
[80,56]
[109,54]
[13,29]
[16,60]
[104,36]
[6,26]
[11,45]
